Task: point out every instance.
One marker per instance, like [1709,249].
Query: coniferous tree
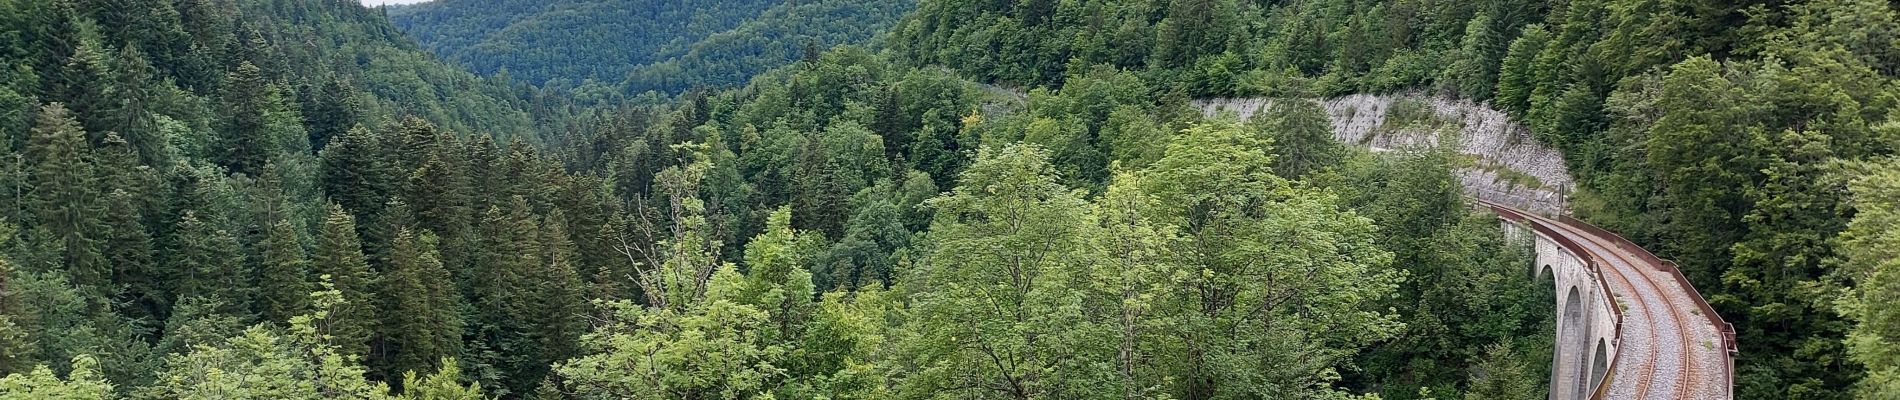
[414,141]
[65,198]
[245,142]
[331,110]
[418,303]
[284,285]
[339,257]
[208,22]
[130,116]
[249,46]
[15,350]
[1192,28]
[1517,75]
[153,27]
[17,118]
[561,294]
[502,292]
[127,242]
[355,174]
[208,262]
[1472,73]
[84,83]
[117,162]
[1302,136]
[59,34]
[439,194]
[129,250]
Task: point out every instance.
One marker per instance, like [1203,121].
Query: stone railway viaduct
[1629,325]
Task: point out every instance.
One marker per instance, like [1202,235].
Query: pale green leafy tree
[999,303]
[749,336]
[845,346]
[1280,282]
[1872,246]
[445,384]
[1135,273]
[84,383]
[300,363]
[709,350]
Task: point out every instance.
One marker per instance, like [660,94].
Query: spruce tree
[245,142]
[132,207]
[284,285]
[354,173]
[415,141]
[330,111]
[120,170]
[65,198]
[504,294]
[209,264]
[83,82]
[1517,75]
[440,195]
[208,22]
[15,350]
[1302,136]
[130,115]
[1472,73]
[128,248]
[418,305]
[509,253]
[153,27]
[58,36]
[17,109]
[562,295]
[339,256]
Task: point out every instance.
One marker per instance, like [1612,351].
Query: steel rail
[1571,235]
[1685,376]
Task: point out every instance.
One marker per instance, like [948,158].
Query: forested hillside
[290,199]
[1730,136]
[634,46]
[287,217]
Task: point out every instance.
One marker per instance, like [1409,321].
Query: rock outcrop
[1506,167]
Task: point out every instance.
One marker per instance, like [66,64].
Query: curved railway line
[1672,345]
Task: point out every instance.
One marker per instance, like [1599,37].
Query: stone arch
[1599,364]
[1573,340]
[1542,271]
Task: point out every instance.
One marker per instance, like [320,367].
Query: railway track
[1686,376]
[1665,352]
[1663,318]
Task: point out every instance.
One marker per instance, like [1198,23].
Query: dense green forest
[604,48]
[290,199]
[1745,139]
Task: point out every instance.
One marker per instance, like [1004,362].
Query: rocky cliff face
[1507,165]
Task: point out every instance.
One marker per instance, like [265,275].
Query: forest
[606,50]
[951,199]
